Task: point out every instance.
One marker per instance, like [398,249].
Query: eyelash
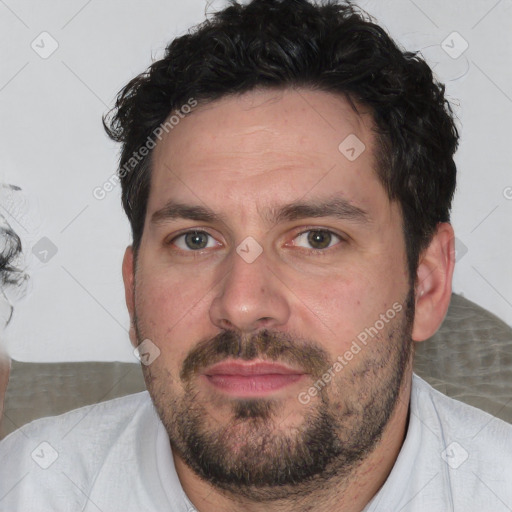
[320,252]
[316,252]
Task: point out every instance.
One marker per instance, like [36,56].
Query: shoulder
[454,457]
[66,452]
[469,449]
[116,413]
[451,416]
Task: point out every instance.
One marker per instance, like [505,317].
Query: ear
[129,290]
[433,288]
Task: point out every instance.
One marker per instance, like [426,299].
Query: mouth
[251,378]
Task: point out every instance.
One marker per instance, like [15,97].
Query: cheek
[164,297]
[342,307]
[170,312]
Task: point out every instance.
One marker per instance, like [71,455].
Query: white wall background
[53,146]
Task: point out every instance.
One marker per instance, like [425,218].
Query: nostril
[226,324]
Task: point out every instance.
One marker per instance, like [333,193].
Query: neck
[349,493]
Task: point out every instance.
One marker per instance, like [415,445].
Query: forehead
[266,148]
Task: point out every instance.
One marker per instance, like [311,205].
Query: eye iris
[196,240]
[319,239]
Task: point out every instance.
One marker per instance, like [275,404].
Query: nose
[250,297]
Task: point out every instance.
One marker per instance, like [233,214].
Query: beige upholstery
[469,358]
[36,390]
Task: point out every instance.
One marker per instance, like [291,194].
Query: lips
[245,379]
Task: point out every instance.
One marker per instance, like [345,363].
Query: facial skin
[301,303]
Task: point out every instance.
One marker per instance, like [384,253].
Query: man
[288,175]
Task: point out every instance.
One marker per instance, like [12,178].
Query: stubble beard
[249,455]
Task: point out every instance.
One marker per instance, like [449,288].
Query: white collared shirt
[115,457]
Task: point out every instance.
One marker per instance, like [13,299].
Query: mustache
[263,344]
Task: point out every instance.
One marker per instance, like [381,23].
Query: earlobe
[129,290]
[434,283]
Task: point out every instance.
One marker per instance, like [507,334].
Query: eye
[194,241]
[317,239]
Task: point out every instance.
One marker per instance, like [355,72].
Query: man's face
[266,252]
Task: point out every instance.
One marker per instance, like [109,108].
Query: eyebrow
[339,208]
[173,210]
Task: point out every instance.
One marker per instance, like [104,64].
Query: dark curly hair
[330,47]
[10,251]
[10,248]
